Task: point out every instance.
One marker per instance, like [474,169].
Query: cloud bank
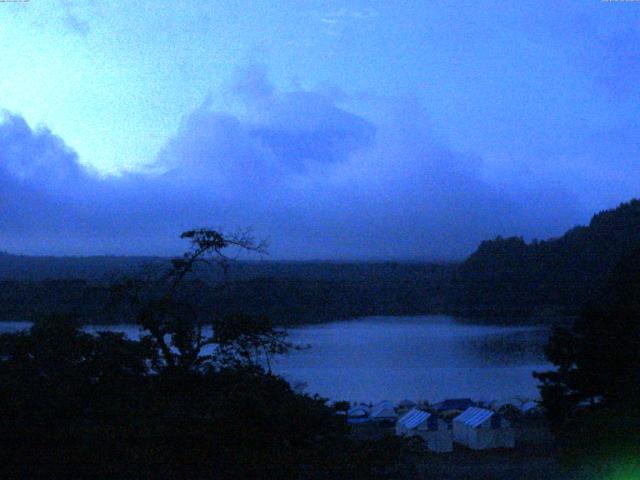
[301,169]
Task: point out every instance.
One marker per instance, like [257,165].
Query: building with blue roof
[434,431]
[383,411]
[480,429]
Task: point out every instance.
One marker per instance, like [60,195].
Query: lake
[426,357]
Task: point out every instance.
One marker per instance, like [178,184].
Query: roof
[514,402]
[528,406]
[383,409]
[454,404]
[413,418]
[358,411]
[474,416]
[407,403]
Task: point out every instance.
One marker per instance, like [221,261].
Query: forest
[505,279]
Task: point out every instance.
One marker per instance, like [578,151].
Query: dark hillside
[507,277]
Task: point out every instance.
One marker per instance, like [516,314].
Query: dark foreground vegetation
[178,404]
[77,406]
[506,279]
[592,397]
[183,403]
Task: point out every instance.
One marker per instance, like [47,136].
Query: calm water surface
[427,357]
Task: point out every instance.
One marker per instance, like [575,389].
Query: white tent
[358,414]
[383,411]
[433,430]
[479,429]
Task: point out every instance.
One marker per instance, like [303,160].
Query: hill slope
[507,277]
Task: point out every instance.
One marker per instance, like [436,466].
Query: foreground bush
[75,405]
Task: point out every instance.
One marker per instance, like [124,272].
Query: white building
[434,431]
[479,429]
[358,414]
[383,411]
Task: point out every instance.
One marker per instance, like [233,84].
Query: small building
[383,411]
[459,404]
[480,429]
[358,414]
[434,431]
[510,412]
[498,404]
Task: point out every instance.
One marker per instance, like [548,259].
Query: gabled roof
[383,409]
[474,416]
[358,411]
[413,418]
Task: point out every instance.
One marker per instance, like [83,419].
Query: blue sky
[336,129]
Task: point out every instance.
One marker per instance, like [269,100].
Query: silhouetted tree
[166,306]
[592,399]
[178,403]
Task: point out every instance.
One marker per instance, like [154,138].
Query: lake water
[427,357]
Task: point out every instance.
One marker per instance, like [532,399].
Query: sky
[332,129]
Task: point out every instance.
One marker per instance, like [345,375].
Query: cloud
[37,157]
[346,14]
[317,178]
[281,132]
[337,21]
[72,21]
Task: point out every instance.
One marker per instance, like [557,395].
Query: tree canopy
[592,398]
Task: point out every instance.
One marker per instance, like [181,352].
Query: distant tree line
[505,279]
[400,289]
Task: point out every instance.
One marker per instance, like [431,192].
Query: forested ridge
[505,278]
[289,292]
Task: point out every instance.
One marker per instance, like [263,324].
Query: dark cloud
[299,126]
[37,157]
[299,168]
